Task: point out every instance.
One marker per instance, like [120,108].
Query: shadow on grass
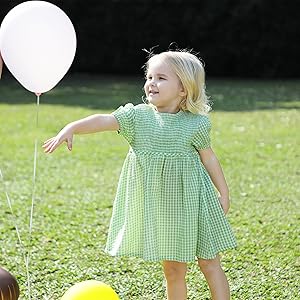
[108,92]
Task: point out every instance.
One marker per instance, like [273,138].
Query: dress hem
[185,260]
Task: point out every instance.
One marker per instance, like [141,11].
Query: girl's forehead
[159,65]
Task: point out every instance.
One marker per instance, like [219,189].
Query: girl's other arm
[213,167]
[91,124]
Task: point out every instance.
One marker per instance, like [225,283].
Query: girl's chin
[151,100]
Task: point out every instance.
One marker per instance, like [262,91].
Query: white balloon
[37,44]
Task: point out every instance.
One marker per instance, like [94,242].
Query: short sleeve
[201,139]
[125,116]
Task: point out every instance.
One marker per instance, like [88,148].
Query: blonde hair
[190,72]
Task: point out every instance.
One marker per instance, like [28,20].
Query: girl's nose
[152,82]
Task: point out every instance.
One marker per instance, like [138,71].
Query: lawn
[255,135]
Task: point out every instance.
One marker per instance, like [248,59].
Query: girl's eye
[161,78]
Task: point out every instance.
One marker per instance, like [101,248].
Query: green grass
[255,135]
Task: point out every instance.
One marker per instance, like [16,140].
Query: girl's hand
[65,135]
[224,201]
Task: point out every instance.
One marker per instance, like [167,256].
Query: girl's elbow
[208,158]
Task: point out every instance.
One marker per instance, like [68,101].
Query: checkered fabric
[166,207]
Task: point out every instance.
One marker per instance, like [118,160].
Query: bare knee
[208,266]
[174,270]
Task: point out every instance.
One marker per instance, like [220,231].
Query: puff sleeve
[125,116]
[201,139]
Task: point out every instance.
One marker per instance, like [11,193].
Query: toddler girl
[166,207]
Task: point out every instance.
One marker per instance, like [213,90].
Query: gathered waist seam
[169,154]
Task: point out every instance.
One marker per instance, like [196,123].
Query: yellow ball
[90,290]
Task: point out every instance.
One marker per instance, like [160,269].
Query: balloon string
[34,187]
[37,109]
[15,223]
[11,210]
[27,260]
[34,166]
[13,214]
[32,197]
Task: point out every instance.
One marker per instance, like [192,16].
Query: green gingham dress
[166,207]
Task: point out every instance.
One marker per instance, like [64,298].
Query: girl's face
[163,87]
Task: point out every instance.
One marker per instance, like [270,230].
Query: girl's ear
[182,92]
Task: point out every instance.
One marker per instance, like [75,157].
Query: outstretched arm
[213,167]
[91,124]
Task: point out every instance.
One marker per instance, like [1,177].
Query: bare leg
[175,277]
[215,277]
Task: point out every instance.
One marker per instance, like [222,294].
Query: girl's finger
[56,143]
[49,140]
[48,144]
[69,143]
[50,147]
[47,149]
